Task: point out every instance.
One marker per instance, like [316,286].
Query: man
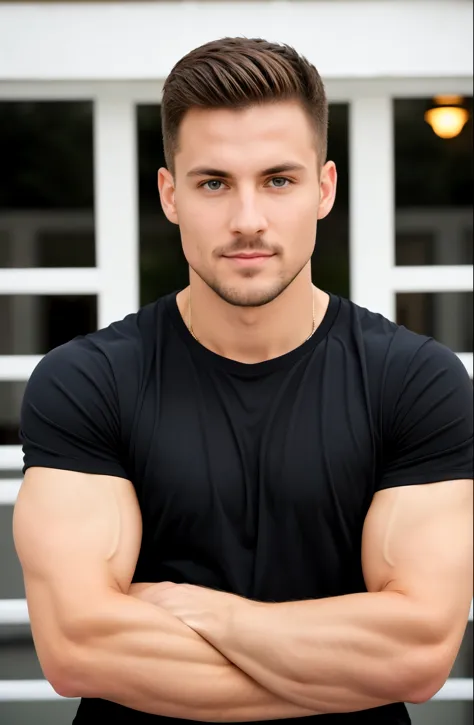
[251,500]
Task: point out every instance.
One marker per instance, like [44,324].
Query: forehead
[264,133]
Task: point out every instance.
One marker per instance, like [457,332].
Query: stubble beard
[238,296]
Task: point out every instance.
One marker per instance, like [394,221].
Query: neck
[253,334]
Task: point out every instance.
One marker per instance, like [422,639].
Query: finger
[161,586]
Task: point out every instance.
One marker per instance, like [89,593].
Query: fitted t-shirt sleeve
[69,415]
[429,425]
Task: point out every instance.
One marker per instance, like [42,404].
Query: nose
[247,218]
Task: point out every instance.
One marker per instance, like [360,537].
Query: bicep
[76,536]
[417,540]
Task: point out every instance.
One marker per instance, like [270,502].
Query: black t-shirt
[252,478]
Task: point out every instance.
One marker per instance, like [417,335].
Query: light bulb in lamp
[448,118]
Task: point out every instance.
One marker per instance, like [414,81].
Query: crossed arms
[197,654]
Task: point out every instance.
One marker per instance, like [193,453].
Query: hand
[202,609]
[148,591]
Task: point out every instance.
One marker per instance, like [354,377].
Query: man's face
[247,195]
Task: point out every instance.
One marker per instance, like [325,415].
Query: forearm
[140,656]
[332,655]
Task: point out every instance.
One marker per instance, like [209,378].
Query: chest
[295,444]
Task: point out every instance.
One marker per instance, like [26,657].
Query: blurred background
[83,239]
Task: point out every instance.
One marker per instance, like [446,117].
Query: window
[434,223]
[46,221]
[46,208]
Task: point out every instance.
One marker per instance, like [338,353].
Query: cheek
[297,222]
[198,236]
[202,227]
[198,218]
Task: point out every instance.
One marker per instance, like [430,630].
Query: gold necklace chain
[313,330]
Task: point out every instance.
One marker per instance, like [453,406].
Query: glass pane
[8,474]
[11,395]
[33,325]
[46,208]
[18,660]
[463,667]
[330,263]
[441,712]
[433,185]
[163,267]
[59,712]
[11,581]
[446,316]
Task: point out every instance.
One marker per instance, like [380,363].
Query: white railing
[459,688]
[11,458]
[9,488]
[455,689]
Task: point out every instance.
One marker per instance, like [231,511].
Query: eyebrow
[279,169]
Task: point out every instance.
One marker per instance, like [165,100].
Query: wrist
[238,619]
[213,624]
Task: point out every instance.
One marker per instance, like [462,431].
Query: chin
[244,295]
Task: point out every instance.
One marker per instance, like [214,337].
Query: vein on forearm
[332,655]
[140,656]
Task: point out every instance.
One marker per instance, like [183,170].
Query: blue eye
[277,182]
[213,184]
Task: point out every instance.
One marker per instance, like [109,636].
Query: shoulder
[422,399]
[127,341]
[378,333]
[397,360]
[393,346]
[99,371]
[110,352]
[80,396]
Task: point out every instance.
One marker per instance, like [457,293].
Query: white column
[372,207]
[116,205]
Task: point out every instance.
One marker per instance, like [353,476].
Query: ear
[327,188]
[167,195]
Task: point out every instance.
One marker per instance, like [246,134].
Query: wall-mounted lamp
[448,117]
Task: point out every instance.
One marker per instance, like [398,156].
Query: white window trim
[50,281]
[371,203]
[116,206]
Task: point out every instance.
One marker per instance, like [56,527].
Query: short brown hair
[239,73]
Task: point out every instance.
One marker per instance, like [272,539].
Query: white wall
[142,40]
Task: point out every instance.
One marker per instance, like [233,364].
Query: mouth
[253,257]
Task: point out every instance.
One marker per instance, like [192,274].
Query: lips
[256,255]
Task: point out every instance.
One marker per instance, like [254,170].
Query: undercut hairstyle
[238,73]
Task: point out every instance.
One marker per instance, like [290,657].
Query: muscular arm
[78,538]
[395,643]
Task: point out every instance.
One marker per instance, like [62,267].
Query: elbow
[70,679]
[61,675]
[432,662]
[426,674]
[64,687]
[67,668]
